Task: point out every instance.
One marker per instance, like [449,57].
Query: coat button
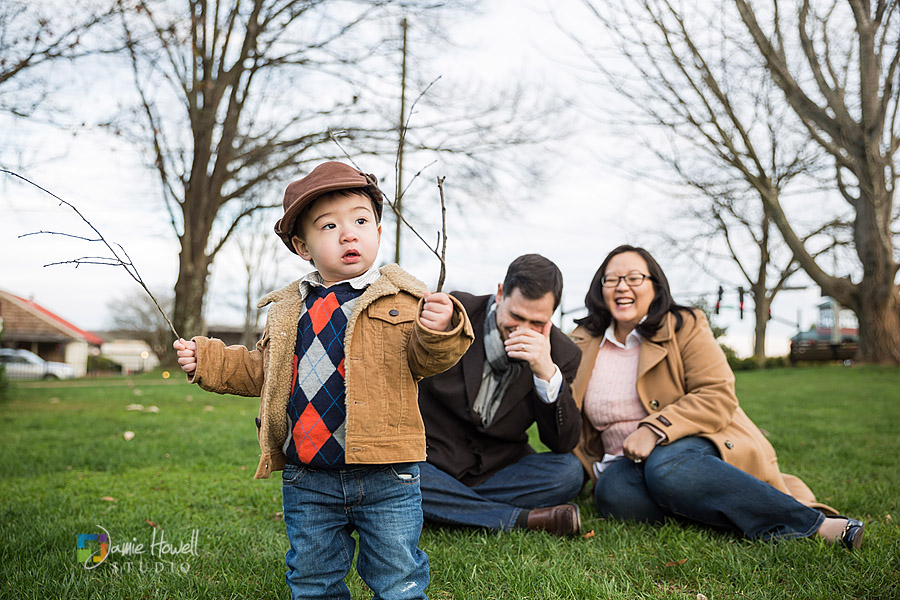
[394,312]
[728,444]
[654,404]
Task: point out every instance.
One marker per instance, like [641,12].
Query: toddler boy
[336,371]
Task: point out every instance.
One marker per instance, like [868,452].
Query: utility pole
[401,130]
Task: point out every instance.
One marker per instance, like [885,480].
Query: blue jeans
[544,479]
[382,503]
[688,479]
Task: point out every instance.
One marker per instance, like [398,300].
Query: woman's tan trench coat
[687,388]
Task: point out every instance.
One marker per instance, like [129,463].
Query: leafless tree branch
[123,261]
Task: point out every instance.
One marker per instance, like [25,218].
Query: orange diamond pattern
[309,434]
[320,313]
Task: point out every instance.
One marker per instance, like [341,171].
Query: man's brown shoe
[564,519]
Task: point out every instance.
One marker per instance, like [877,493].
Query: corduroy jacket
[687,388]
[387,351]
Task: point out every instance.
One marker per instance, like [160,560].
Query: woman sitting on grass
[656,391]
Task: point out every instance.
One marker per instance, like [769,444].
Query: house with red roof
[26,324]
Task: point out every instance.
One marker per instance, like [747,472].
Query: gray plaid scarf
[499,370]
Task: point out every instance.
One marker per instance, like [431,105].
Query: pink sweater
[611,401]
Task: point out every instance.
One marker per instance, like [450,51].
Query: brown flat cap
[327,177]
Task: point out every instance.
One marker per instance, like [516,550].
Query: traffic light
[741,301]
[719,301]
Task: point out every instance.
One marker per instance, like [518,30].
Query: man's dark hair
[534,276]
[599,317]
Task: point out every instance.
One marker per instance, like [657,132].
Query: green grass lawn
[67,469]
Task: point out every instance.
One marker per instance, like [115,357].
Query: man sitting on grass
[481,471]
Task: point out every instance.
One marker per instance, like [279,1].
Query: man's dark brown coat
[456,441]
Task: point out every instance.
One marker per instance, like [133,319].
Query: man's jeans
[688,479]
[382,503]
[545,479]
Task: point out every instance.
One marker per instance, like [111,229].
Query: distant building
[824,342]
[135,356]
[848,324]
[28,325]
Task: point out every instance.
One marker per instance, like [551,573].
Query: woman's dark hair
[599,316]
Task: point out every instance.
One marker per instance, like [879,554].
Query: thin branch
[372,181]
[443,255]
[412,109]
[77,237]
[114,260]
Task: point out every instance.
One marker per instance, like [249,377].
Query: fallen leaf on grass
[279,516]
[108,499]
[135,407]
[700,596]
[675,563]
[151,523]
[153,409]
[128,435]
[589,535]
[208,408]
[887,518]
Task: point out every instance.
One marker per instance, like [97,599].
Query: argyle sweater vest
[317,407]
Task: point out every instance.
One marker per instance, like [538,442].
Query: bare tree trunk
[248,335]
[190,289]
[760,296]
[191,285]
[878,312]
[401,133]
[761,302]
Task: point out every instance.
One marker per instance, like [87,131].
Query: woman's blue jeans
[688,479]
[382,503]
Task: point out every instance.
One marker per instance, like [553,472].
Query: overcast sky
[582,211]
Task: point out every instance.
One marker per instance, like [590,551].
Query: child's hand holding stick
[437,311]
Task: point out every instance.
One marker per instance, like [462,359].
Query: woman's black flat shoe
[852,536]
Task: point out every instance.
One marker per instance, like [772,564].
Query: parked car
[817,346]
[22,364]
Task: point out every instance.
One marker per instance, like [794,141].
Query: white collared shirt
[632,340]
[359,282]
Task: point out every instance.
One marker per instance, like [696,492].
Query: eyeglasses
[631,280]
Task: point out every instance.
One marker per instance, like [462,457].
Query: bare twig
[115,260]
[334,138]
[402,141]
[442,236]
